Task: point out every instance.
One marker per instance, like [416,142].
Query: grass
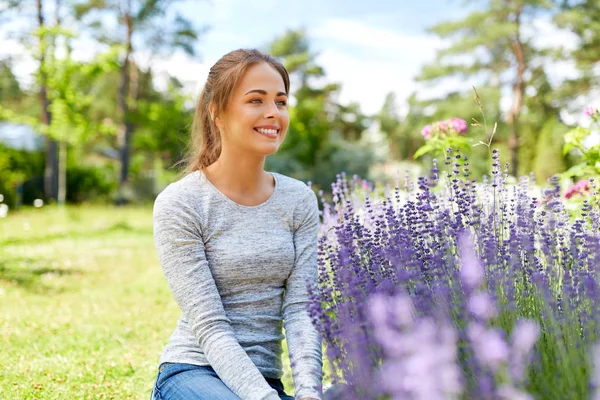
[84,308]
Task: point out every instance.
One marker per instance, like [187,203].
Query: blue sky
[252,23]
[370,47]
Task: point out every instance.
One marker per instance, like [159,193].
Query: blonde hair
[205,142]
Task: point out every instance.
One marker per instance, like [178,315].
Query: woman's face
[256,118]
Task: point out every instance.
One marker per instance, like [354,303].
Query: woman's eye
[256,101]
[282,103]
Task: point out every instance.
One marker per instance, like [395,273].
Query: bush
[19,167]
[86,183]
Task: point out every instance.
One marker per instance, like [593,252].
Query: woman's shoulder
[184,190]
[292,186]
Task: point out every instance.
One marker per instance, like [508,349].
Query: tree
[309,121]
[41,53]
[323,134]
[494,42]
[582,18]
[51,171]
[139,21]
[10,90]
[64,119]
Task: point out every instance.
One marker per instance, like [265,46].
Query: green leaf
[427,148]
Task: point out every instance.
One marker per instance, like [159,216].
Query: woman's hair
[223,78]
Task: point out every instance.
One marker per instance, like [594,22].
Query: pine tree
[493,42]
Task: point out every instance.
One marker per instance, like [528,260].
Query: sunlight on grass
[85,310]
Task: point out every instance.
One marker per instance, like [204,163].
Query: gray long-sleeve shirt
[238,273]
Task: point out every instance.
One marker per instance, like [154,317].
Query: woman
[237,246]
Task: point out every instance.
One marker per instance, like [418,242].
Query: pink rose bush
[443,134]
[456,125]
[582,188]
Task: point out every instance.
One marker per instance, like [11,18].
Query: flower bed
[449,288]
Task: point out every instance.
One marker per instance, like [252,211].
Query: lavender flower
[489,345]
[489,267]
[420,356]
[471,271]
[482,306]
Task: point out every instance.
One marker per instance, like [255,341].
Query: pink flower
[443,125]
[458,124]
[426,131]
[589,111]
[582,187]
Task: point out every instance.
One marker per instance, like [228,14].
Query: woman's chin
[267,150]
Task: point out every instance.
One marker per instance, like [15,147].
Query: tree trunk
[51,168]
[126,125]
[517,94]
[62,145]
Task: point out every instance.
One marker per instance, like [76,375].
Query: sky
[371,48]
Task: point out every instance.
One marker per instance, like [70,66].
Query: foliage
[443,134]
[490,47]
[581,18]
[18,167]
[88,184]
[575,139]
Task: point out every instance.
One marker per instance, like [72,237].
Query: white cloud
[23,64]
[372,37]
[381,61]
[365,81]
[190,72]
[545,34]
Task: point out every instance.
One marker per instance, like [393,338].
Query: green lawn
[84,308]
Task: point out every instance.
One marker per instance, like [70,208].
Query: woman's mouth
[270,133]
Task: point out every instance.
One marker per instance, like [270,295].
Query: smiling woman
[237,246]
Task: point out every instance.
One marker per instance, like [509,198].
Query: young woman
[238,246]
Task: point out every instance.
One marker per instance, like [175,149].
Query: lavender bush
[446,288]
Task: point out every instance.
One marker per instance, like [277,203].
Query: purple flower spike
[482,306]
[489,345]
[524,336]
[471,270]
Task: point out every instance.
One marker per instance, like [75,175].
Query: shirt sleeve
[304,341]
[180,249]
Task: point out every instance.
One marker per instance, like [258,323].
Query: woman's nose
[271,111]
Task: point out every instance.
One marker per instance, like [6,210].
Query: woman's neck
[240,175]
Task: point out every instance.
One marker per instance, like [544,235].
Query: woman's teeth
[267,131]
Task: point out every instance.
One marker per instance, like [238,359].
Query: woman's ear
[214,118]
[211,111]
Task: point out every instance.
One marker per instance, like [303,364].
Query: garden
[459,240]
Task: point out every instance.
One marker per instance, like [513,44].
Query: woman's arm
[304,342]
[180,248]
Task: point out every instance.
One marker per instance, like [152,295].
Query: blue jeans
[177,381]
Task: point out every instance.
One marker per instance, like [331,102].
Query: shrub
[87,183]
